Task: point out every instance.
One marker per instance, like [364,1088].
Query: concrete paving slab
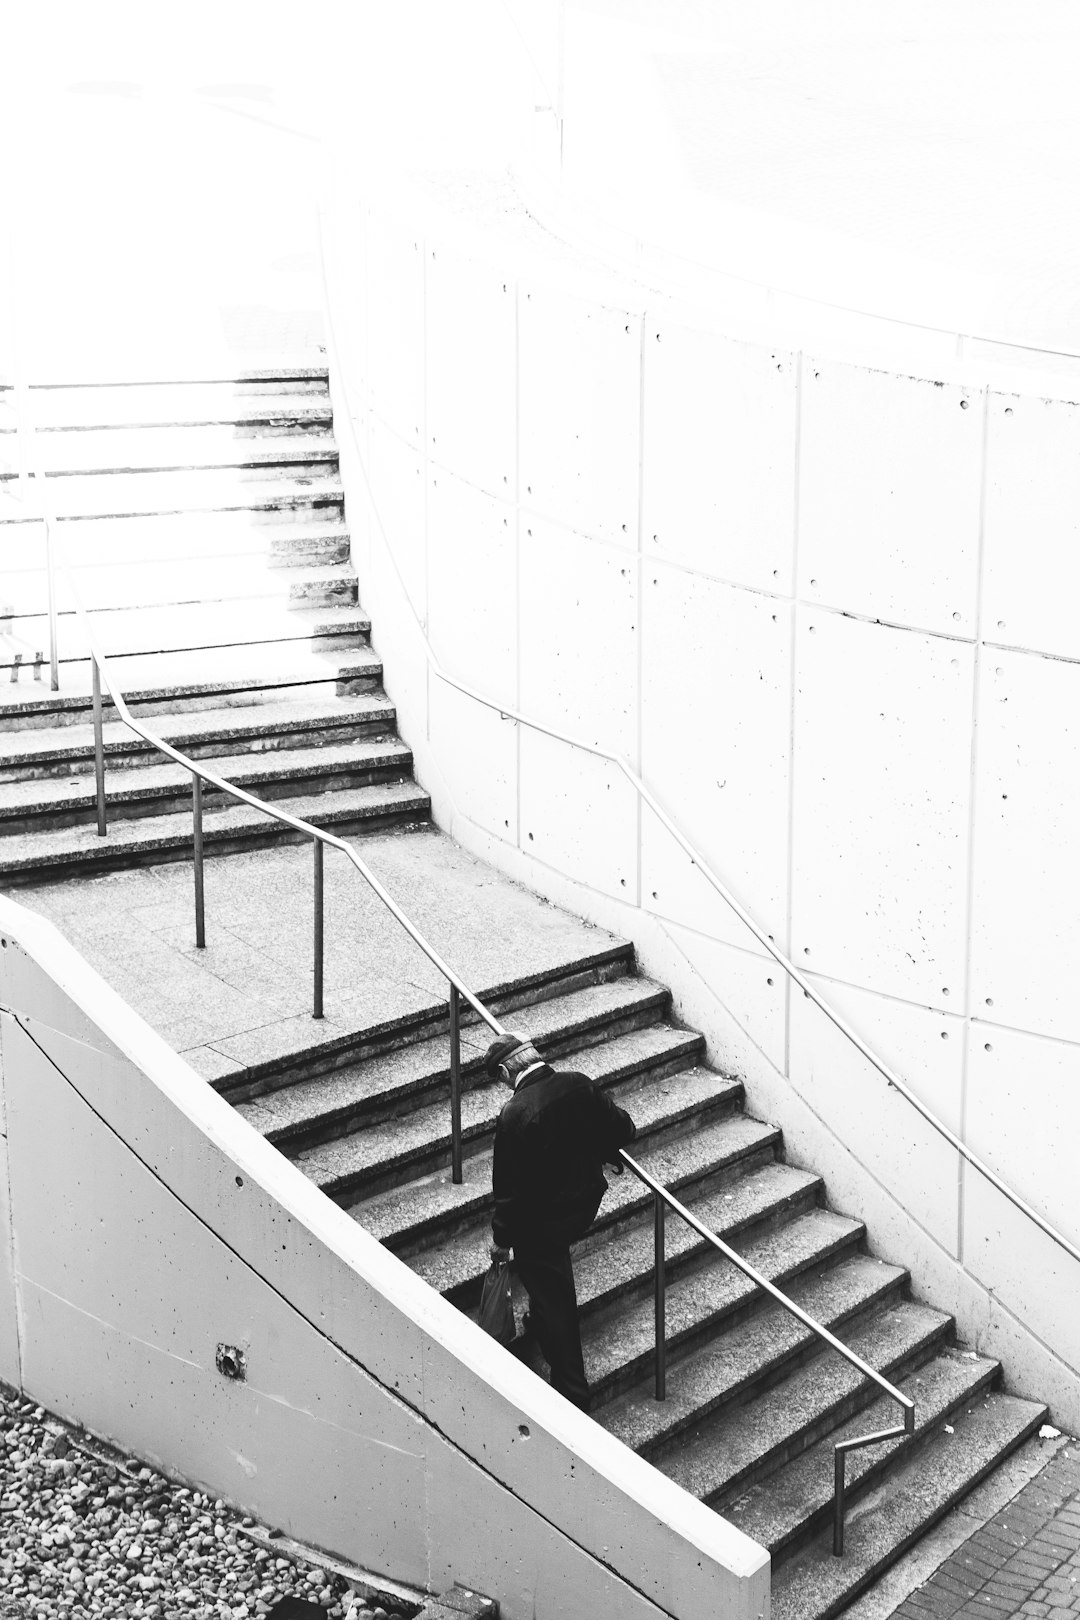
[244,1000]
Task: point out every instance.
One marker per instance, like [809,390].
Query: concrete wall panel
[1023,1117]
[718,456]
[882,771]
[750,986]
[889,489]
[1032,526]
[395,328]
[397,487]
[878,1124]
[477,755]
[1022,1268]
[578,607]
[579,412]
[472,577]
[1032,546]
[1025,933]
[716,722]
[578,814]
[471,371]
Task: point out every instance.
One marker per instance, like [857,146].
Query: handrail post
[659,1297]
[50,583]
[200,908]
[99,748]
[317,1011]
[838,1502]
[455,1087]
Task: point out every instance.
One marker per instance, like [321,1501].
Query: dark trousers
[548,1277]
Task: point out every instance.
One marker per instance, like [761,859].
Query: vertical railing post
[99,748]
[659,1297]
[317,1010]
[196,810]
[838,1502]
[455,1087]
[50,585]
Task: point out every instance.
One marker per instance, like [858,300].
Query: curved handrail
[506,712]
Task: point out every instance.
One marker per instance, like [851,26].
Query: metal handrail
[664,1198]
[505,712]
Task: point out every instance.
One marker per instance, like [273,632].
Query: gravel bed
[81,1535]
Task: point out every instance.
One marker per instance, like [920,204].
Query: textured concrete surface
[246,997]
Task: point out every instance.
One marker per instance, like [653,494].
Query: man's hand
[499,1255]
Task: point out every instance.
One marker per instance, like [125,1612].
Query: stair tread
[719,1451]
[246,770]
[185,626]
[170,447]
[718,1287]
[394,1075]
[151,676]
[773,1510]
[135,494]
[331,1165]
[146,539]
[616,1260]
[76,742]
[401,1212]
[815,1585]
[157,404]
[21,852]
[150,585]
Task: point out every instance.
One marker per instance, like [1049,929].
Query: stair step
[270,1058]
[119,451]
[311,1110]
[121,588]
[157,789]
[138,494]
[63,750]
[724,1146]
[265,538]
[178,404]
[185,627]
[619,1348]
[416,1142]
[792,1504]
[177,677]
[881,1527]
[620,1254]
[721,1451]
[61,851]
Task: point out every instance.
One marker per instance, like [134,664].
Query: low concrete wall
[143,1223]
[824,607]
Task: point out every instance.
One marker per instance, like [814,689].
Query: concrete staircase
[206,522]
[204,525]
[754,1405]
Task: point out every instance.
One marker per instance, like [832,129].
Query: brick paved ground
[1023,1561]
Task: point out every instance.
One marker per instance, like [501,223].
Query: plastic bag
[496,1303]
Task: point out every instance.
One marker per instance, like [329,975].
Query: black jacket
[551,1139]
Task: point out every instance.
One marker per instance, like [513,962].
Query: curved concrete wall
[826,610]
[143,1223]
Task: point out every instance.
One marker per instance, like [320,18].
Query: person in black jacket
[552,1139]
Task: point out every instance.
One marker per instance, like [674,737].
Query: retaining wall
[143,1223]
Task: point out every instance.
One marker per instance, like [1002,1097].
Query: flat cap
[500,1050]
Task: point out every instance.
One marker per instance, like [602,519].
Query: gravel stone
[82,1540]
